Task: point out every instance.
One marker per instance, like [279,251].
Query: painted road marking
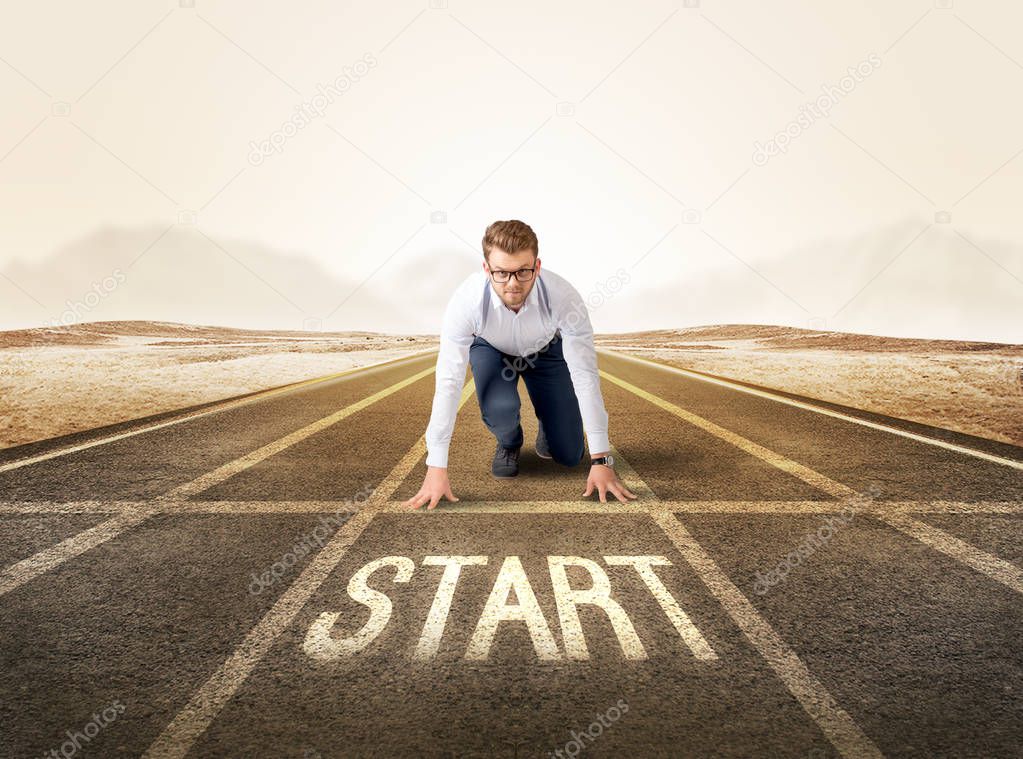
[997,569]
[527,609]
[321,645]
[836,724]
[223,406]
[192,721]
[21,572]
[785,464]
[230,469]
[840,728]
[433,630]
[581,506]
[821,410]
[1008,574]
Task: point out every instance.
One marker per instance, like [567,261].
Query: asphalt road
[793,581]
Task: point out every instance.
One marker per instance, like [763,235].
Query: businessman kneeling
[510,321]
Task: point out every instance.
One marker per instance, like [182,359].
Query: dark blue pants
[550,389]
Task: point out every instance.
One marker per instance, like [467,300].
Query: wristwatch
[608,460]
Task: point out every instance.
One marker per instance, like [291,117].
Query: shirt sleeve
[456,337]
[581,356]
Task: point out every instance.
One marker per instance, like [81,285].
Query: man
[509,321]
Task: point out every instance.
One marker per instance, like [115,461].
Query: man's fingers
[621,491]
[589,487]
[433,501]
[603,493]
[450,496]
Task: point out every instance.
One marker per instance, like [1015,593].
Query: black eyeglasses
[522,275]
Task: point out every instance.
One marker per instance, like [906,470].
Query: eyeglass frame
[492,272]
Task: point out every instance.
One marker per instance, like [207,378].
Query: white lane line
[777,460]
[997,569]
[231,468]
[224,406]
[825,411]
[836,724]
[12,508]
[47,559]
[21,572]
[582,506]
[178,737]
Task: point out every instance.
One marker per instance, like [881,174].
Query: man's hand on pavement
[435,486]
[604,479]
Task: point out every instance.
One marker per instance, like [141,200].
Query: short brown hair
[511,237]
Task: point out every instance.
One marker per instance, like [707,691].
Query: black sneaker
[506,462]
[543,450]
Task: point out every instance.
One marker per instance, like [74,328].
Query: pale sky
[625,134]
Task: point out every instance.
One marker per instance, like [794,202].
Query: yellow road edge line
[821,410]
[777,460]
[995,568]
[206,703]
[231,468]
[220,406]
[125,519]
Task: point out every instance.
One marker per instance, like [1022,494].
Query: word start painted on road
[322,644]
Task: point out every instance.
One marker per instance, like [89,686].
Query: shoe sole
[548,457]
[504,476]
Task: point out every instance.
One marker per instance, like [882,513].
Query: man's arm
[455,338]
[581,357]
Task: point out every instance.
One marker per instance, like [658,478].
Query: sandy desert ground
[60,380]
[971,387]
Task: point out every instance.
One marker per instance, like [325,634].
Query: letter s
[321,646]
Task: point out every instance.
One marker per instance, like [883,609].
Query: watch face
[610,460]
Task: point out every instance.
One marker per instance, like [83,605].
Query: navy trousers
[550,389]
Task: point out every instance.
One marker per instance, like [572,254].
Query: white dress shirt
[552,304]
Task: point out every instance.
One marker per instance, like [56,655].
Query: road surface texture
[794,580]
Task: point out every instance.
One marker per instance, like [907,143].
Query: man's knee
[567,454]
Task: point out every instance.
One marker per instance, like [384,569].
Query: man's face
[513,293]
